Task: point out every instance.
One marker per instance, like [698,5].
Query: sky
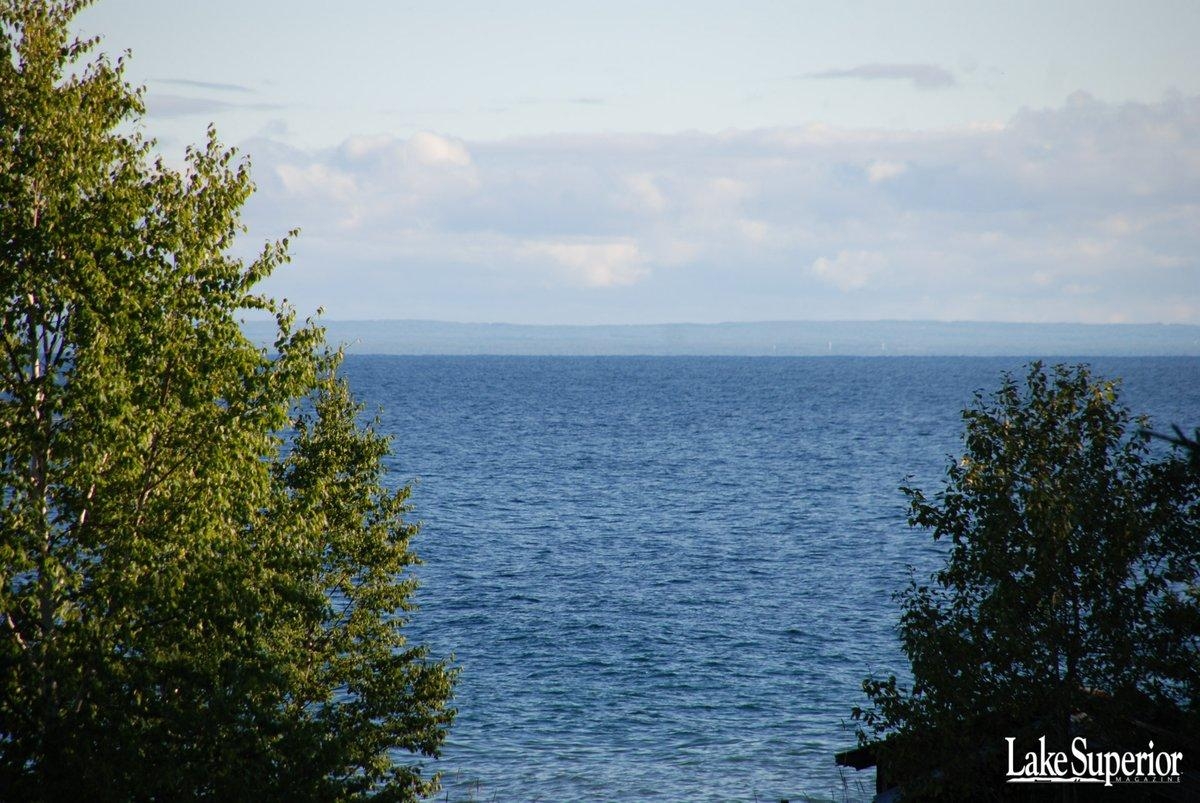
[652,162]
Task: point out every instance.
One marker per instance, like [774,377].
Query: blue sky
[653,162]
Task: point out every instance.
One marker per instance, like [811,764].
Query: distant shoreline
[762,339]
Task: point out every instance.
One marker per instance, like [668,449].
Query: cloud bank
[1086,212]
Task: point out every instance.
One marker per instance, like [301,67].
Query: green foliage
[1068,600]
[205,581]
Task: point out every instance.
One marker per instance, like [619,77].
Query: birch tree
[205,579]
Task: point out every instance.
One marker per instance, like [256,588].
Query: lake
[664,578]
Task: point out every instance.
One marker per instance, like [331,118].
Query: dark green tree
[204,581]
[1067,602]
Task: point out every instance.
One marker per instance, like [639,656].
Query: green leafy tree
[1067,601]
[204,579]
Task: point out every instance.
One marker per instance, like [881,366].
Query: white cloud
[317,180]
[727,191]
[880,170]
[364,146]
[425,148]
[645,193]
[849,270]
[754,230]
[595,264]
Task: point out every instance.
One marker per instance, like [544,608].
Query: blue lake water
[664,578]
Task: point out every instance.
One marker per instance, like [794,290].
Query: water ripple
[664,578]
